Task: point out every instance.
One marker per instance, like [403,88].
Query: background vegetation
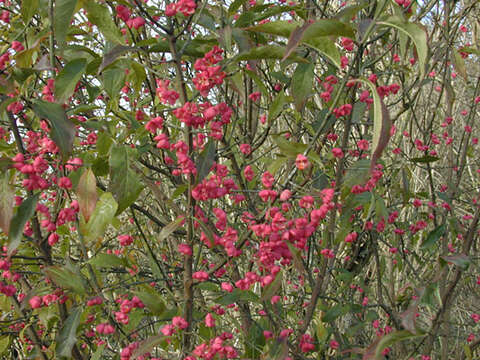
[242,180]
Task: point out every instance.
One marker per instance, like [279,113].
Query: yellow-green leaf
[101,217]
[29,8]
[87,194]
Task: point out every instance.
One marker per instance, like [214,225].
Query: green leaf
[326,47]
[102,216]
[147,345]
[315,35]
[226,37]
[263,11]
[104,142]
[29,8]
[179,191]
[125,184]
[191,48]
[327,27]
[254,342]
[460,260]
[381,123]
[87,193]
[266,52]
[138,76]
[281,28]
[302,84]
[469,50]
[335,312]
[259,82]
[234,6]
[67,337]
[168,229]
[113,54]
[468,352]
[98,353]
[113,81]
[418,35]
[459,64]
[425,159]
[393,338]
[45,314]
[100,16]
[320,329]
[5,162]
[24,212]
[67,79]
[275,165]
[24,58]
[432,296]
[152,300]
[349,12]
[65,278]
[64,10]
[207,286]
[4,344]
[242,39]
[63,130]
[289,148]
[380,209]
[7,202]
[206,160]
[272,288]
[107,260]
[433,236]
[276,107]
[297,259]
[237,295]
[358,111]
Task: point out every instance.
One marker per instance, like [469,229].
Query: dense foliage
[239,179]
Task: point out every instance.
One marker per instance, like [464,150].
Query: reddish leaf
[87,194]
[381,124]
[369,353]
[355,350]
[294,39]
[460,260]
[407,318]
[113,54]
[272,288]
[147,345]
